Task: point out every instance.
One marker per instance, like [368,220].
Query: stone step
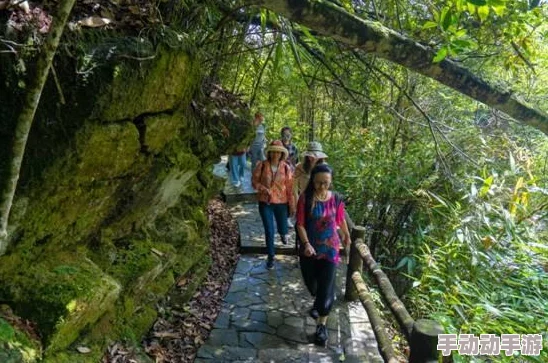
[231,194]
[232,198]
[279,250]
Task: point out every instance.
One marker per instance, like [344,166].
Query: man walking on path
[292,150]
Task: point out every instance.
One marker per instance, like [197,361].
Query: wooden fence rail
[422,334]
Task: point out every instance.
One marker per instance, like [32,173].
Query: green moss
[137,324]
[162,129]
[147,269]
[16,346]
[57,216]
[101,231]
[157,87]
[105,151]
[62,294]
[128,260]
[196,274]
[151,197]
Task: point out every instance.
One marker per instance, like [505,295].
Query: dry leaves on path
[180,330]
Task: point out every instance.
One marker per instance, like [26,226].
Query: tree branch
[324,62]
[333,21]
[525,60]
[426,116]
[26,116]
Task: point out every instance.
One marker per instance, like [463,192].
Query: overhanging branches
[333,21]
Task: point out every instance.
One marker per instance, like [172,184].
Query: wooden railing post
[355,263]
[424,341]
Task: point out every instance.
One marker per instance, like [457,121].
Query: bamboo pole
[26,116]
[387,291]
[355,263]
[384,342]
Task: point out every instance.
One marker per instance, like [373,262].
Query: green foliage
[454,193]
[16,346]
[484,259]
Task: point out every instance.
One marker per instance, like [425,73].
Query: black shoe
[270,264]
[321,335]
[284,239]
[313,313]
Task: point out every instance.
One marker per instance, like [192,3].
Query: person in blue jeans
[273,180]
[237,167]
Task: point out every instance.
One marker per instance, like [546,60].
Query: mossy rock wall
[110,207]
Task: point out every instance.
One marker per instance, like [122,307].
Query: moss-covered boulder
[110,207]
[63,294]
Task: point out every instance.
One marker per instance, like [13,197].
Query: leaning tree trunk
[24,121]
[333,21]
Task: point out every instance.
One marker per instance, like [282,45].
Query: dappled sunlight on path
[264,317]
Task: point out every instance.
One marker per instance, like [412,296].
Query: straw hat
[277,145]
[315,150]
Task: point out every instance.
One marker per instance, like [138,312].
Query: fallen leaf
[83,350]
[166,334]
[181,282]
[94,22]
[156,252]
[205,326]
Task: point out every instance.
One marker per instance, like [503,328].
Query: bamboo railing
[422,334]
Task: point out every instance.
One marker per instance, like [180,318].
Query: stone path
[252,232]
[264,317]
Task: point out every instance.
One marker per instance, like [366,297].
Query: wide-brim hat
[277,145]
[315,150]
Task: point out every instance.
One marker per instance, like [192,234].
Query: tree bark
[24,121]
[384,342]
[330,20]
[355,262]
[387,291]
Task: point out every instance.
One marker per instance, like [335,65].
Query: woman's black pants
[319,278]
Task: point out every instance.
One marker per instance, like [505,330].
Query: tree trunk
[24,121]
[330,20]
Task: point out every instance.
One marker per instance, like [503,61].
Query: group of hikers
[287,188]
